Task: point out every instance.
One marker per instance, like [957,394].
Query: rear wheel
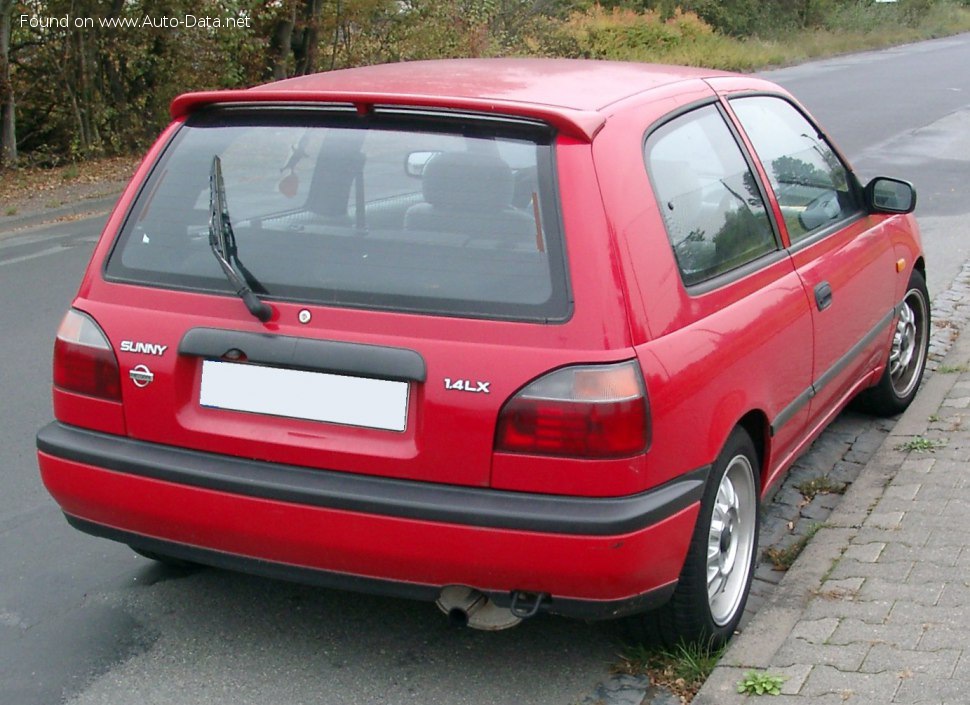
[907,354]
[712,591]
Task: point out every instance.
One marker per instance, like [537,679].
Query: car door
[846,265]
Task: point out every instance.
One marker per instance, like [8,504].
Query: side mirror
[886,195]
[415,163]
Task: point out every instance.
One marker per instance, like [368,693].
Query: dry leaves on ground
[34,188]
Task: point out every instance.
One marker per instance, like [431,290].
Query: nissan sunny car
[511,335]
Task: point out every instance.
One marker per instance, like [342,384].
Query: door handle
[823,296]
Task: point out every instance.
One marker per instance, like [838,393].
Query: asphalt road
[87,621]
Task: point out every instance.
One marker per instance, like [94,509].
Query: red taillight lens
[83,360]
[585,412]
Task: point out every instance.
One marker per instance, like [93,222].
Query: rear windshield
[428,214]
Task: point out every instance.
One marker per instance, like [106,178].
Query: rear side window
[711,205]
[811,183]
[406,213]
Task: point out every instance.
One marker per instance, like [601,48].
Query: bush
[624,34]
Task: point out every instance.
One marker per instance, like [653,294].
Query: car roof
[573,94]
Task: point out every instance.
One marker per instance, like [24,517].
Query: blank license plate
[297,394]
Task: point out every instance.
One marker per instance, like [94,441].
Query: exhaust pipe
[466,606]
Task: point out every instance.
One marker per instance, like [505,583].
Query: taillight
[589,411]
[83,360]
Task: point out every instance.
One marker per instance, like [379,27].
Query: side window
[811,183]
[715,216]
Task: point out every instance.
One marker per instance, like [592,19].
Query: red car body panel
[588,568]
[748,352]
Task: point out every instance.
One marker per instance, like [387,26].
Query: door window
[713,210]
[812,185]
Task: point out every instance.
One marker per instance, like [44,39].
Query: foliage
[624,34]
[103,89]
[71,91]
[760,683]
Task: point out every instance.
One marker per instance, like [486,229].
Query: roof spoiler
[580,124]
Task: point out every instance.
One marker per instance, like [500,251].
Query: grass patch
[920,445]
[953,369]
[12,210]
[682,669]
[822,484]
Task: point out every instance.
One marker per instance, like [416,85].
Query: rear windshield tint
[423,214]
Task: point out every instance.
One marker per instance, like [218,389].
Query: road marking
[42,253]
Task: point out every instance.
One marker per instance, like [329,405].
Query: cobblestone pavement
[875,609]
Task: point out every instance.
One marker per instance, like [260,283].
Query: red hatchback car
[512,335]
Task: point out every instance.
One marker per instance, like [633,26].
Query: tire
[713,588]
[906,360]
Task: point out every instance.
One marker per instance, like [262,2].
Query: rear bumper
[596,557]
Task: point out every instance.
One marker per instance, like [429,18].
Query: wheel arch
[920,266]
[756,424]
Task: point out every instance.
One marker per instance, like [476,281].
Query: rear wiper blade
[223,243]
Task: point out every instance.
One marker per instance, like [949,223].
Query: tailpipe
[466,606]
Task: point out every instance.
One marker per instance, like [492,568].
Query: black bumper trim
[302,353]
[423,501]
[576,608]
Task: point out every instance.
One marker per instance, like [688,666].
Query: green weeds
[760,683]
[919,444]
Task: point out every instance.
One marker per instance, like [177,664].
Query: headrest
[462,180]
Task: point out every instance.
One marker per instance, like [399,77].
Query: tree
[294,36]
[8,105]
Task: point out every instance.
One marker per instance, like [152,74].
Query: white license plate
[297,394]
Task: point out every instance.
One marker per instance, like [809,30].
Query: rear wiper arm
[223,243]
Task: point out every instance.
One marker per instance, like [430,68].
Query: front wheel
[907,354]
[712,591]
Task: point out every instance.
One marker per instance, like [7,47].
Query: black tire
[906,360]
[706,610]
